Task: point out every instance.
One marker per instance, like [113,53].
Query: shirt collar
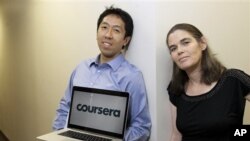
[114,64]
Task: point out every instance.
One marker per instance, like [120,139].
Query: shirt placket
[98,72]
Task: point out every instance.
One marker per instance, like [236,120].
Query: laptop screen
[102,111]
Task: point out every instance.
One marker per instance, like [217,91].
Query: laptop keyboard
[82,136]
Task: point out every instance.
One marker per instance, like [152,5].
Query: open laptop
[98,113]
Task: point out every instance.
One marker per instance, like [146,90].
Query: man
[110,70]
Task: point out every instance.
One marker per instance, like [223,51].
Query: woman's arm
[176,135]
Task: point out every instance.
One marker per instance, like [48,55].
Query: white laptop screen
[99,110]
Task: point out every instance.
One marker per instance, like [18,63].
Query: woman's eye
[185,43]
[172,49]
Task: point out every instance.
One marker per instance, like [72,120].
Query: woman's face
[185,50]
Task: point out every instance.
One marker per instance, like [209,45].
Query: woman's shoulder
[236,74]
[173,97]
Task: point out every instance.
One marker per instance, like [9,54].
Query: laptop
[96,113]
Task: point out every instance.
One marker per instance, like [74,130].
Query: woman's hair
[211,68]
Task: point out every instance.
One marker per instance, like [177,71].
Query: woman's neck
[194,75]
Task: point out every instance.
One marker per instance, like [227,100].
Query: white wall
[43,40]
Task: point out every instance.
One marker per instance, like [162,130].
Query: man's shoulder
[87,61]
[84,64]
[130,67]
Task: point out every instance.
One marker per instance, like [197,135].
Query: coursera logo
[98,110]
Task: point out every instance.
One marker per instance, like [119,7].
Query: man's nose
[109,34]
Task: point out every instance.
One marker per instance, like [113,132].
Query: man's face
[111,37]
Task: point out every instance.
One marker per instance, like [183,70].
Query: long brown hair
[211,67]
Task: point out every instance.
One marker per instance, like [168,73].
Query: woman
[206,98]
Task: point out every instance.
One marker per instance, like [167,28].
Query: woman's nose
[179,50]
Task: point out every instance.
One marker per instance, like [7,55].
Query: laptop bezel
[100,91]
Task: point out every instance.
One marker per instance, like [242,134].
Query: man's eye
[117,30]
[104,27]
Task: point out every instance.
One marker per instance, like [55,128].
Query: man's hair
[126,18]
[211,68]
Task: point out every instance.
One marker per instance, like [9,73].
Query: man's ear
[126,41]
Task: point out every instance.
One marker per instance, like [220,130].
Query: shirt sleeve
[139,125]
[64,106]
[172,96]
[244,80]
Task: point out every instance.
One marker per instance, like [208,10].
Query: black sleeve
[172,96]
[243,78]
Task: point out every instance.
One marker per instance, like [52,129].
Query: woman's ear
[203,43]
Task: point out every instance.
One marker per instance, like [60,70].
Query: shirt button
[98,71]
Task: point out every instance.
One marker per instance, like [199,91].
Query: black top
[209,116]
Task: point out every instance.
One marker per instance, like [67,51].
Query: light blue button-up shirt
[117,74]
